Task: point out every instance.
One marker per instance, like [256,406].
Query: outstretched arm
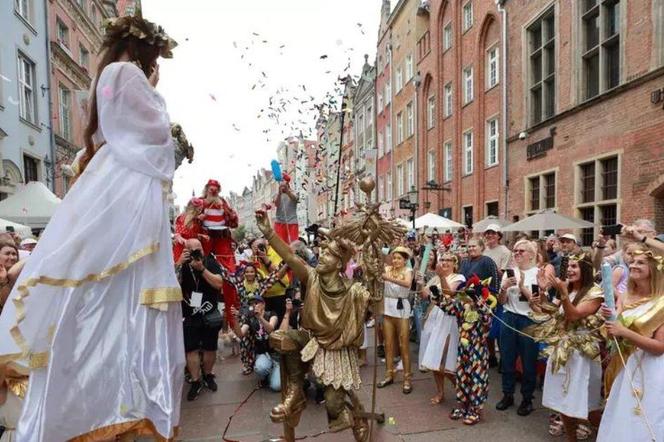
[296,264]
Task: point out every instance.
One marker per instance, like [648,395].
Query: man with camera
[201,282]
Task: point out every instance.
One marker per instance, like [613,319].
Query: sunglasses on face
[519,251]
[447,260]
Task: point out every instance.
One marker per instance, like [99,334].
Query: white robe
[95,313]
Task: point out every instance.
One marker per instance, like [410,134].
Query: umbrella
[22,230]
[431,220]
[547,220]
[32,204]
[479,226]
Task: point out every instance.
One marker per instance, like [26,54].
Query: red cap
[214,183]
[286,177]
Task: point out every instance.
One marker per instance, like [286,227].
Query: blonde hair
[530,246]
[656,276]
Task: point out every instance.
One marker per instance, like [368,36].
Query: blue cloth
[494,333]
[267,368]
[513,344]
[482,266]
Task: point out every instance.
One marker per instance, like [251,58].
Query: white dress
[621,421]
[95,314]
[438,329]
[575,389]
[391,303]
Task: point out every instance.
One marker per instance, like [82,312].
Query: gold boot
[294,400]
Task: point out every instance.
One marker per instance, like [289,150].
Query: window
[492,142]
[388,137]
[399,80]
[542,68]
[467,16]
[93,14]
[468,152]
[399,128]
[431,112]
[381,144]
[30,168]
[65,113]
[410,164]
[63,33]
[388,93]
[467,85]
[492,208]
[492,68]
[22,7]
[410,118]
[541,192]
[587,178]
[400,180]
[609,187]
[431,166]
[26,81]
[448,160]
[468,216]
[381,188]
[447,110]
[447,37]
[388,186]
[600,21]
[409,67]
[83,57]
[380,102]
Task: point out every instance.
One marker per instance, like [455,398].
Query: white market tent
[431,220]
[22,230]
[547,220]
[480,226]
[32,204]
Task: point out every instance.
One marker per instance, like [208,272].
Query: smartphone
[534,289]
[564,262]
[10,229]
[612,230]
[510,273]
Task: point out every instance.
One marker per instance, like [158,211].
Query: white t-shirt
[513,304]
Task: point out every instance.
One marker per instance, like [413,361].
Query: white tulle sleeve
[134,122]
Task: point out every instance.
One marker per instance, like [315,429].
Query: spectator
[547,270]
[285,221]
[201,281]
[9,269]
[553,252]
[569,245]
[26,247]
[267,261]
[258,324]
[480,265]
[516,294]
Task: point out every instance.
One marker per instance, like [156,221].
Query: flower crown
[118,28]
[659,259]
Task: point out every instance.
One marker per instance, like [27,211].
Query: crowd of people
[534,309]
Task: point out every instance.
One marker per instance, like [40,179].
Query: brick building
[586,124]
[383,111]
[459,109]
[75,39]
[363,105]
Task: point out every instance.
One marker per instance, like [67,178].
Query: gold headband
[402,249]
[118,28]
[657,258]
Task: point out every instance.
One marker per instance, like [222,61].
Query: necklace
[399,274]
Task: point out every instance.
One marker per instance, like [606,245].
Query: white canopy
[23,231]
[480,226]
[431,220]
[547,220]
[32,204]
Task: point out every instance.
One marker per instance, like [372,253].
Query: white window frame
[62,32]
[468,85]
[388,186]
[388,137]
[399,79]
[467,16]
[400,180]
[493,67]
[468,163]
[431,112]
[449,160]
[410,119]
[64,97]
[449,100]
[409,67]
[380,103]
[431,165]
[22,8]
[381,144]
[83,51]
[399,128]
[26,81]
[492,141]
[447,37]
[381,188]
[410,173]
[388,93]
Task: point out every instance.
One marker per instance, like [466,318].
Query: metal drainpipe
[503,13]
[392,146]
[50,96]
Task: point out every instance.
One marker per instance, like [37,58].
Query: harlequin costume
[473,315]
[218,218]
[188,228]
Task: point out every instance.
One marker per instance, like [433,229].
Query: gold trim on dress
[38,360]
[160,295]
[143,427]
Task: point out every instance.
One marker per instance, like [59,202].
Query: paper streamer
[276,171]
[425,259]
[607,287]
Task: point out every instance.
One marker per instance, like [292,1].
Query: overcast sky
[208,84]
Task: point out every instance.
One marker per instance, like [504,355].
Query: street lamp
[413,204]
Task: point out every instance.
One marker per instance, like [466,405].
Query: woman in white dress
[396,322]
[573,381]
[640,334]
[440,334]
[95,315]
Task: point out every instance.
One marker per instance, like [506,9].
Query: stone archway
[656,190]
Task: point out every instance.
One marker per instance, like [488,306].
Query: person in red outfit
[218,218]
[285,222]
[188,226]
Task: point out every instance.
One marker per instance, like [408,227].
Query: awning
[32,204]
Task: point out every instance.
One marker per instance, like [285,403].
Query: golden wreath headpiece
[401,249]
[659,259]
[117,28]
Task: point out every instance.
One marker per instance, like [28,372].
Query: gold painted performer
[332,318]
